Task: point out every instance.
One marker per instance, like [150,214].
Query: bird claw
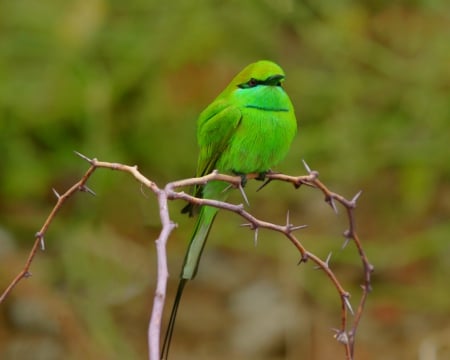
[243,178]
[262,175]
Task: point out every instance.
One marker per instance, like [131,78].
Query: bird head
[258,86]
[263,72]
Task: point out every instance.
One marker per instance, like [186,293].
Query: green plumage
[247,129]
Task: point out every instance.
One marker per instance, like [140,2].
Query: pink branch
[343,335]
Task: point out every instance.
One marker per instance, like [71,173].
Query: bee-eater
[247,129]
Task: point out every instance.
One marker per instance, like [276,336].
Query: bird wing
[216,125]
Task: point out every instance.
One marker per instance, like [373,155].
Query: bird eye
[252,82]
[249,84]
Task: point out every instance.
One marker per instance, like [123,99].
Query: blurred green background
[125,81]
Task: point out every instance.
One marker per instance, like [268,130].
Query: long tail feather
[189,269]
[173,316]
[205,220]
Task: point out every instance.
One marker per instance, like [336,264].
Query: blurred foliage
[124,82]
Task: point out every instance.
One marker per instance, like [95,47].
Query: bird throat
[266,108]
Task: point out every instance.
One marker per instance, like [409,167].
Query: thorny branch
[347,331]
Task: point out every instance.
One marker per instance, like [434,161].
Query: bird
[247,129]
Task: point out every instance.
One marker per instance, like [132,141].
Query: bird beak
[274,80]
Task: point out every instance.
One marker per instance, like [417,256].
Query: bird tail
[213,190]
[173,316]
[198,241]
[190,267]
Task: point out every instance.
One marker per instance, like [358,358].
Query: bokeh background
[125,81]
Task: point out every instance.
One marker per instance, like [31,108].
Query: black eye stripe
[251,83]
[274,80]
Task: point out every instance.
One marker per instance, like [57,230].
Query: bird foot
[242,176]
[262,175]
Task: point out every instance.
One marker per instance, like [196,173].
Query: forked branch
[347,330]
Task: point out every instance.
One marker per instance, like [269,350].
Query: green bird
[247,129]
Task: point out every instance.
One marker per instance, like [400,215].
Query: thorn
[348,236]
[27,274]
[249,225]
[297,184]
[40,236]
[295,228]
[313,173]
[327,261]
[367,288]
[227,188]
[266,182]
[340,336]
[144,194]
[83,156]
[241,189]
[303,259]
[330,201]
[84,188]
[307,168]
[56,193]
[347,303]
[252,226]
[344,245]
[355,198]
[290,227]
